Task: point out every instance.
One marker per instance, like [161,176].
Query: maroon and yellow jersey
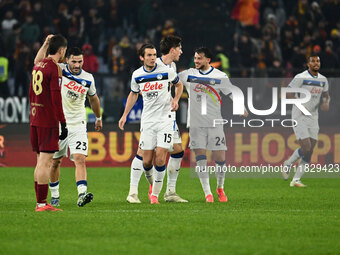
[45,97]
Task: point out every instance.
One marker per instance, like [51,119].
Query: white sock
[148,174]
[135,174]
[220,174]
[300,170]
[82,186]
[295,156]
[158,182]
[173,167]
[203,174]
[54,188]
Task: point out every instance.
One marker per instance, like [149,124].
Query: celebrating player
[200,81]
[307,128]
[77,84]
[171,50]
[46,113]
[157,123]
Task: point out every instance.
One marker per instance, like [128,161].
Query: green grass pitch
[262,216]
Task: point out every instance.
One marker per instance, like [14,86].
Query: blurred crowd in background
[250,38]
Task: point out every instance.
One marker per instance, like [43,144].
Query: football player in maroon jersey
[45,115]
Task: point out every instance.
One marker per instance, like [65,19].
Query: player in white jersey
[171,49]
[203,81]
[307,128]
[157,123]
[77,84]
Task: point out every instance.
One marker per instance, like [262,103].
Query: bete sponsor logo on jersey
[148,86]
[315,90]
[152,88]
[77,88]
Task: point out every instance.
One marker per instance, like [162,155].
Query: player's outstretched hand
[121,122]
[174,105]
[64,131]
[98,125]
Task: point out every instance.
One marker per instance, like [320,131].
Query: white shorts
[76,140]
[157,135]
[211,138]
[302,132]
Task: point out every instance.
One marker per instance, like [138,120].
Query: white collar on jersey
[312,74]
[73,73]
[208,72]
[151,70]
[162,61]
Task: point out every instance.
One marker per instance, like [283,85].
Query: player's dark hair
[312,56]
[207,52]
[168,42]
[75,51]
[56,42]
[141,51]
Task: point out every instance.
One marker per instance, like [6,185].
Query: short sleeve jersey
[74,89]
[160,62]
[46,77]
[206,87]
[316,85]
[155,88]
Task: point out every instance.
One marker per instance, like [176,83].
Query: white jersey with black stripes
[204,90]
[74,89]
[316,85]
[155,88]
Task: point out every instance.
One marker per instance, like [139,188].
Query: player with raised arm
[157,123]
[171,49]
[199,82]
[307,128]
[45,115]
[77,84]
